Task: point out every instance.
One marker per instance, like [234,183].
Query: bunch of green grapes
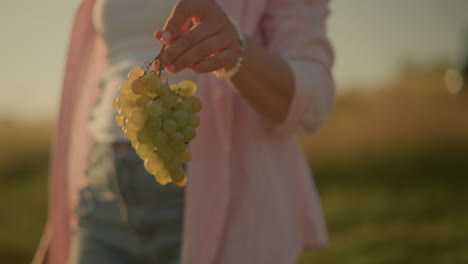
[160,121]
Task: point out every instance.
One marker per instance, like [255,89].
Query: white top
[127,27]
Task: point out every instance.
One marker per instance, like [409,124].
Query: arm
[265,81]
[296,31]
[288,81]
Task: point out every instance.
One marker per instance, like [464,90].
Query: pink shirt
[250,197]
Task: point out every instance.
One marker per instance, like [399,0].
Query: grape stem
[160,61]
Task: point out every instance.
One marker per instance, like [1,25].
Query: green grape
[129,134]
[177,146]
[145,136]
[169,100]
[135,73]
[126,110]
[174,88]
[182,182]
[177,136]
[170,126]
[115,104]
[139,86]
[189,133]
[126,87]
[162,176]
[138,116]
[181,118]
[194,121]
[134,143]
[153,163]
[120,119]
[159,119]
[177,175]
[166,115]
[164,89]
[130,125]
[143,100]
[186,156]
[196,104]
[166,152]
[160,138]
[174,163]
[144,150]
[184,105]
[155,108]
[154,124]
[129,99]
[153,83]
[186,88]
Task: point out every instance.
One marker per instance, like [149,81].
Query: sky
[371,38]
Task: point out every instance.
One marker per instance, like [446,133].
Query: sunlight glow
[453,81]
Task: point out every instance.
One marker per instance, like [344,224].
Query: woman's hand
[199,36]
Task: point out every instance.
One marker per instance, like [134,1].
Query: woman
[250,198]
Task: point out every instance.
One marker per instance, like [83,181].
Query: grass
[396,209]
[391,167]
[23,188]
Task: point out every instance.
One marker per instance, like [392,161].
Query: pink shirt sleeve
[296,31]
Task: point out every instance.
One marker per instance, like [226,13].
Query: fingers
[209,28]
[225,59]
[201,51]
[158,34]
[186,27]
[199,36]
[183,11]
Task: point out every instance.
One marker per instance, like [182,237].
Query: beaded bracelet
[223,74]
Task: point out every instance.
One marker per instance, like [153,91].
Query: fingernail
[171,68]
[157,34]
[166,37]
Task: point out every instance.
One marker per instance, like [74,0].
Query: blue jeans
[125,216]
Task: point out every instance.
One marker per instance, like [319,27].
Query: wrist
[228,74]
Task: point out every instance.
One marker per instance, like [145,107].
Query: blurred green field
[24,152]
[391,166]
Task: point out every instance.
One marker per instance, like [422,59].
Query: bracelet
[222,73]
